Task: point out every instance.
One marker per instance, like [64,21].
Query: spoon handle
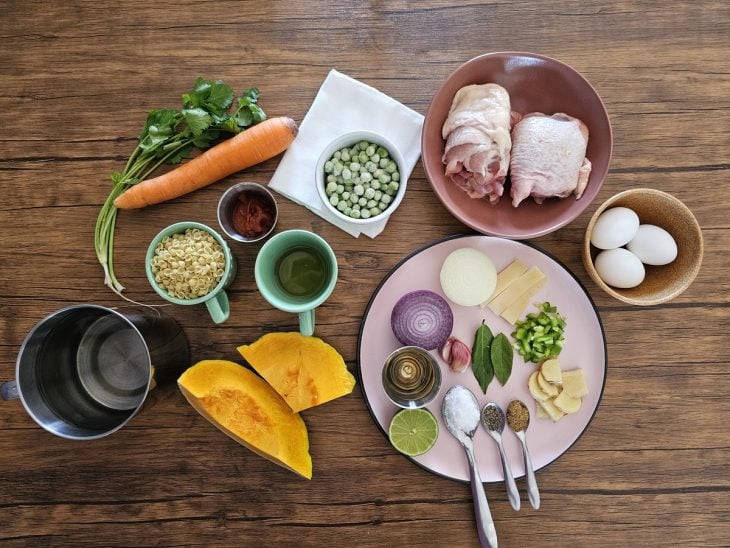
[532,492]
[485,524]
[512,493]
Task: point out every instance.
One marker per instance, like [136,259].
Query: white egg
[619,268]
[615,227]
[653,245]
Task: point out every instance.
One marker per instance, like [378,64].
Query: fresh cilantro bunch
[209,112]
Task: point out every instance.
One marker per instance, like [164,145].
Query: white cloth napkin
[343,105]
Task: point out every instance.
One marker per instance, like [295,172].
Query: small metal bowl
[227,205]
[421,394]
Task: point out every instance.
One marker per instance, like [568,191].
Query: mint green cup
[266,272]
[216,301]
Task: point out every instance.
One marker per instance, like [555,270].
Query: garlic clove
[456,354]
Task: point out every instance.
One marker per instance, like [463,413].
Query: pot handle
[9,390]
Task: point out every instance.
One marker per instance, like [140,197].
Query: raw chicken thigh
[477,134]
[548,157]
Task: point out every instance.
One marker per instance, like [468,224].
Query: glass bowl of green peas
[359,177]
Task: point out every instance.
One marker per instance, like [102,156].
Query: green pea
[346,174]
[365,213]
[347,211]
[334,200]
[354,167]
[331,179]
[356,207]
[363,157]
[345,195]
[359,190]
[362,202]
[383,163]
[363,145]
[340,180]
[341,205]
[395,176]
[337,169]
[384,178]
[345,155]
[369,193]
[355,213]
[390,192]
[391,167]
[365,176]
[371,166]
[382,152]
[393,186]
[375,210]
[386,198]
[328,166]
[370,150]
[337,155]
[377,195]
[375,158]
[371,204]
[340,189]
[383,206]
[375,185]
[331,188]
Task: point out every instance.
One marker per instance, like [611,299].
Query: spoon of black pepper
[493,420]
[518,418]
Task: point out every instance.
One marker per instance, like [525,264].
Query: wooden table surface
[76,81]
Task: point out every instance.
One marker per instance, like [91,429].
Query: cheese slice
[514,311]
[505,278]
[516,289]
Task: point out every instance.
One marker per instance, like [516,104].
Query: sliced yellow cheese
[514,311]
[505,278]
[552,411]
[566,403]
[515,290]
[551,372]
[534,388]
[574,383]
[548,388]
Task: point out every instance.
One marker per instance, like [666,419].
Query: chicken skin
[548,157]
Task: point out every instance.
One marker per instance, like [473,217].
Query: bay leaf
[501,354]
[481,358]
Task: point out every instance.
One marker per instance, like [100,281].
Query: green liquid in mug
[302,272]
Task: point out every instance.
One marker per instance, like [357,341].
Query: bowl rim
[588,261]
[455,212]
[350,137]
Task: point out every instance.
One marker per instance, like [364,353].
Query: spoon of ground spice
[493,422]
[518,418]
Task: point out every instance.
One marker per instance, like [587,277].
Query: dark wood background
[76,81]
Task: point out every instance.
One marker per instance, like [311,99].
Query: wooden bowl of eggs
[643,247]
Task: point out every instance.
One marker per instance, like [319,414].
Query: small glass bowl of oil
[411,377]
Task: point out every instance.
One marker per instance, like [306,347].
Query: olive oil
[411,377]
[302,272]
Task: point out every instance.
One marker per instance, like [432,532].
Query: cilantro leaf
[197,119]
[220,96]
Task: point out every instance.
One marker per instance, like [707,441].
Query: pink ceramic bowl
[535,84]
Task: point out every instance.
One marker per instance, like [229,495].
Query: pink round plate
[585,347]
[535,84]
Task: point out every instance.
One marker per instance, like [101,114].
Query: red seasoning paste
[253,215]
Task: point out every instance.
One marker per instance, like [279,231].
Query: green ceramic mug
[215,300]
[296,271]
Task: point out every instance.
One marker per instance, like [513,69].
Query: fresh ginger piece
[551,372]
[574,383]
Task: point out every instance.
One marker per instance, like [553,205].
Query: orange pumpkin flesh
[248,410]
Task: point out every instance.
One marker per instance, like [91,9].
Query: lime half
[413,431]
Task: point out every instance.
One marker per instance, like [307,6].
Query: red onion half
[422,318]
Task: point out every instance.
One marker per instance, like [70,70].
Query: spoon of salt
[493,420]
[461,417]
[518,418]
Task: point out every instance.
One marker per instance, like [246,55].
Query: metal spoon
[461,417]
[532,492]
[497,426]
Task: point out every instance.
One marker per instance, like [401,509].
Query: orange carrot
[250,147]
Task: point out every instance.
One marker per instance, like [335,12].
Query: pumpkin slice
[243,406]
[305,371]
